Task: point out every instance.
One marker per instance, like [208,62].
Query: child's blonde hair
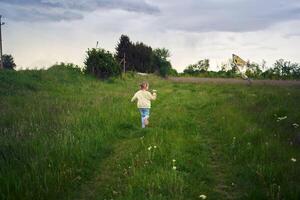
[144,85]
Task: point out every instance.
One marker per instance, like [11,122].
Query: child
[144,97]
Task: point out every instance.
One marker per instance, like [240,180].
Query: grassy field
[65,135]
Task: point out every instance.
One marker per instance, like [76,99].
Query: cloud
[58,10]
[188,15]
[190,29]
[227,15]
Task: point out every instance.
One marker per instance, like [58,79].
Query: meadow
[67,135]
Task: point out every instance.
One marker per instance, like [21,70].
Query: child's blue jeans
[145,113]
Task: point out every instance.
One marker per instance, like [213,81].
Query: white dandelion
[149,148]
[281,118]
[293,159]
[202,196]
[295,125]
[174,168]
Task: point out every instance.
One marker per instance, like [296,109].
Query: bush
[68,66]
[101,63]
[8,62]
[161,64]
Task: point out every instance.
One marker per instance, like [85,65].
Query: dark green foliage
[124,48]
[141,58]
[172,72]
[138,56]
[8,62]
[281,70]
[253,70]
[101,63]
[141,55]
[200,67]
[69,66]
[161,64]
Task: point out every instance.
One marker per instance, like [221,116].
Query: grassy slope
[68,136]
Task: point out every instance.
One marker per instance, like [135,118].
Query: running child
[144,97]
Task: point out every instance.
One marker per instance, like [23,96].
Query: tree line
[137,57]
[140,57]
[281,69]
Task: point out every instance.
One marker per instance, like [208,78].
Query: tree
[138,55]
[162,53]
[8,62]
[191,69]
[125,47]
[200,67]
[101,63]
[161,64]
[253,70]
[142,57]
[203,65]
[283,70]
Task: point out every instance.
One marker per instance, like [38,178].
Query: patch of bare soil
[234,81]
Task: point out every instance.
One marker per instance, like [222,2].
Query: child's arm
[134,98]
[152,96]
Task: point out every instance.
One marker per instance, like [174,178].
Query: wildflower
[174,160]
[174,167]
[295,125]
[281,118]
[115,192]
[155,147]
[202,196]
[149,148]
[293,159]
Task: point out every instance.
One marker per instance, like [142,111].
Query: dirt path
[234,81]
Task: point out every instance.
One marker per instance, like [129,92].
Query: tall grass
[65,135]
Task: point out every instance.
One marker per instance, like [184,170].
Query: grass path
[132,171]
[100,183]
[111,178]
[197,132]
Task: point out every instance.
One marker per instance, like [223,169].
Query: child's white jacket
[143,98]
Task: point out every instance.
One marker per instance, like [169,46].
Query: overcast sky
[39,33]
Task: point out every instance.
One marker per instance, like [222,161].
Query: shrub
[8,62]
[101,63]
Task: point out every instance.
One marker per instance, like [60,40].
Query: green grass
[65,135]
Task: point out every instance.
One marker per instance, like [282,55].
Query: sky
[39,33]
